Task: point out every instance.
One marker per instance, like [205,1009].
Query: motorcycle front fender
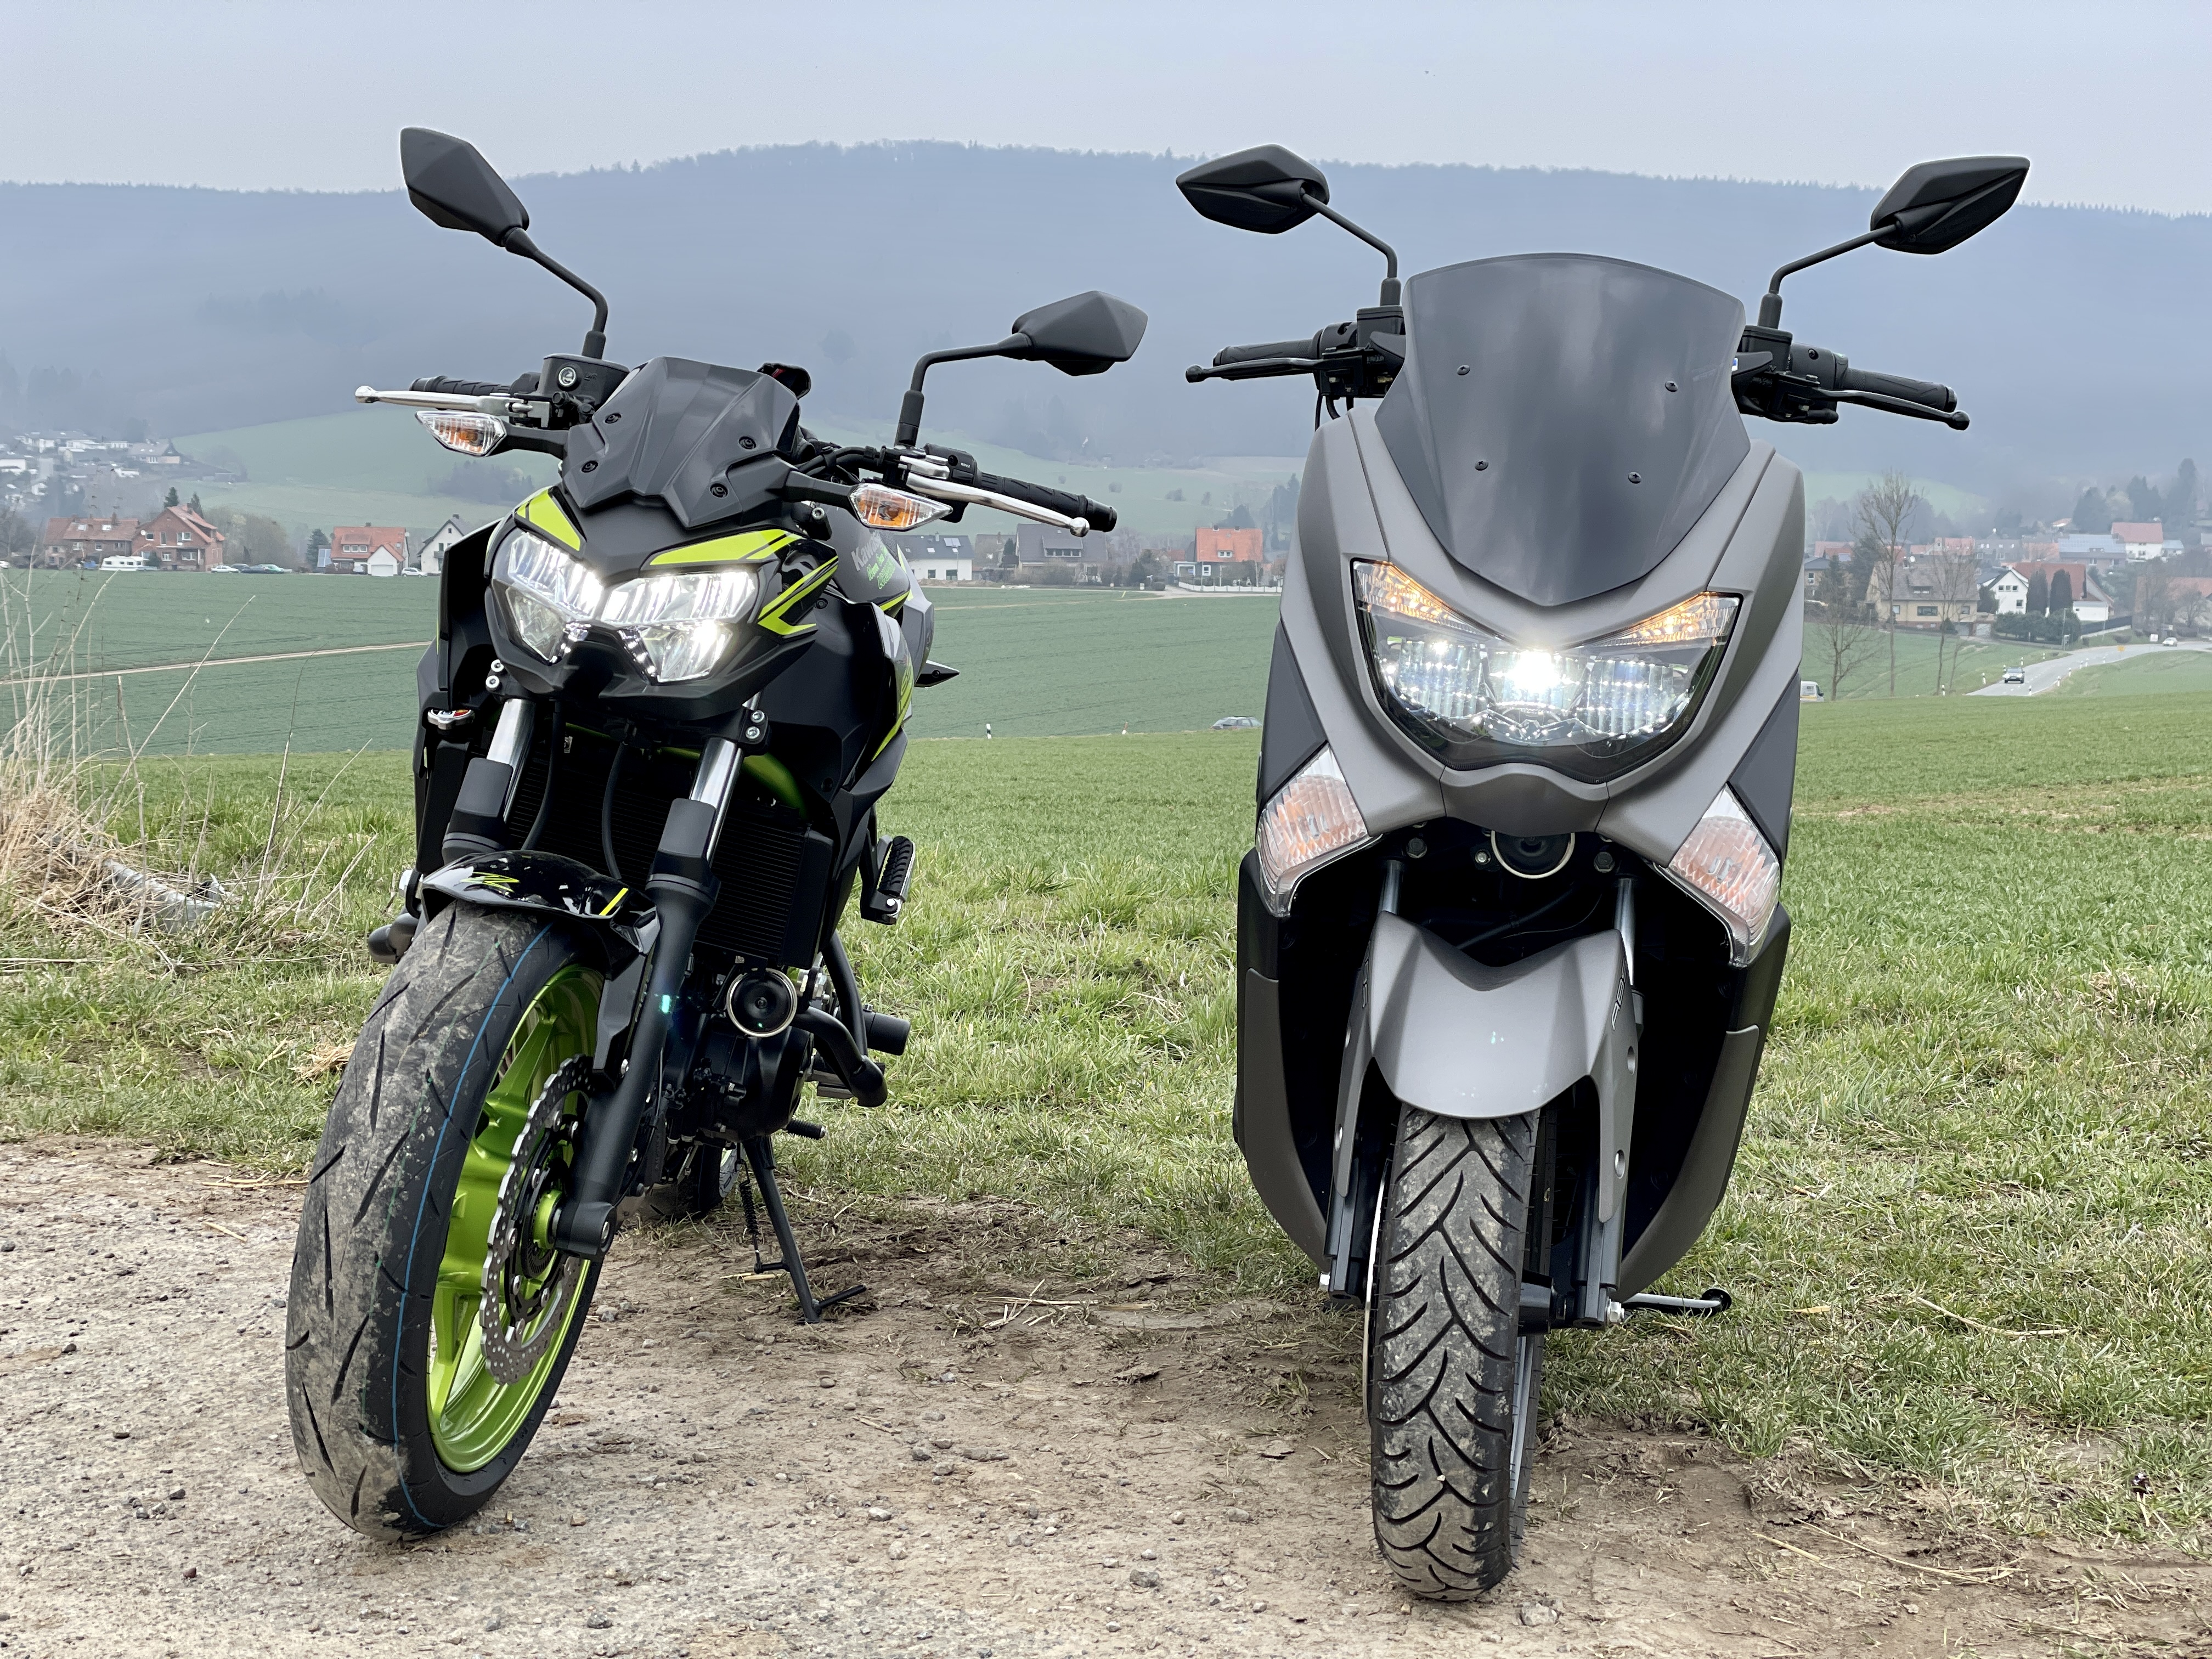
[548,885]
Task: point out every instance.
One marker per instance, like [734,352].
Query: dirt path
[953,1472]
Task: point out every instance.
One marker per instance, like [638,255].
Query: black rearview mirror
[1086,334]
[1939,205]
[1263,189]
[453,185]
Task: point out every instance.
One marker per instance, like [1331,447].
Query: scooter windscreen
[1562,419]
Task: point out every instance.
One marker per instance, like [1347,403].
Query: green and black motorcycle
[665,699]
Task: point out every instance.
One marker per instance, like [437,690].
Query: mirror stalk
[1769,304]
[1389,254]
[517,241]
[910,421]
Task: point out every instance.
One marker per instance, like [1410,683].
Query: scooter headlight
[1591,710]
[1308,821]
[544,590]
[1726,864]
[679,627]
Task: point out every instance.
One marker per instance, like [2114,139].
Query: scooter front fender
[1454,1037]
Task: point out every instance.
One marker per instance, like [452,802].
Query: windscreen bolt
[1417,848]
[1602,863]
[1636,477]
[1482,466]
[718,489]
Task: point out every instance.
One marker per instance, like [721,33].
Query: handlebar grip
[465,388]
[1099,515]
[1246,354]
[1926,393]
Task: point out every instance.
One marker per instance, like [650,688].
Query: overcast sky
[2108,100]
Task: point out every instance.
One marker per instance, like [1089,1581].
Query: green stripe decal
[542,511]
[777,617]
[746,547]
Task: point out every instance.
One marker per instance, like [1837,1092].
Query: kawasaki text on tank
[666,700]
[1508,942]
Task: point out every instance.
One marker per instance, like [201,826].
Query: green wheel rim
[473,1415]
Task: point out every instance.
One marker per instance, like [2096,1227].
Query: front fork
[683,888]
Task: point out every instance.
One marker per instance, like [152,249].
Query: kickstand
[762,1158]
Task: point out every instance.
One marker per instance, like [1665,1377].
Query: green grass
[1961,505]
[2155,669]
[1968,664]
[1986,1088]
[1034,662]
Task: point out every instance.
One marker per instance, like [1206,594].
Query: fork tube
[682,887]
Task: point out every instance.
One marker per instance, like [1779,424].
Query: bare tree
[1954,574]
[2154,596]
[1883,508]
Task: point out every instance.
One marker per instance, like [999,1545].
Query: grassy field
[378,466]
[1034,662]
[2153,670]
[1968,664]
[1968,1230]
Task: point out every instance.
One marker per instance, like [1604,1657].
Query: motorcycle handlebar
[1926,393]
[1097,514]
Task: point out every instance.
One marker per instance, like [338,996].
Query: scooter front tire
[1452,1382]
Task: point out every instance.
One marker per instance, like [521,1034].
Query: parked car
[2016,675]
[2170,639]
[262,570]
[1235,723]
[125,562]
[222,570]
[1810,691]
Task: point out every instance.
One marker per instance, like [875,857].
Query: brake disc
[527,1286]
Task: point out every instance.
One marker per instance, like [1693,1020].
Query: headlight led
[1591,710]
[545,589]
[1726,864]
[677,627]
[1309,821]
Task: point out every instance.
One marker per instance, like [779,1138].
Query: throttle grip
[1308,347]
[466,388]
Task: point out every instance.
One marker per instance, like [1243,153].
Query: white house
[939,558]
[382,563]
[2145,541]
[432,559]
[2011,591]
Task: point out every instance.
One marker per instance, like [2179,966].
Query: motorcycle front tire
[400,1425]
[1452,1381]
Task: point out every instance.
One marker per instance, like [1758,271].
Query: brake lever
[1254,368]
[1956,419]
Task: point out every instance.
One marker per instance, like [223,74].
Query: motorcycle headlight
[545,590]
[1308,821]
[678,627]
[1591,710]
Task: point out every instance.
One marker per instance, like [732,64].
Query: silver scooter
[1509,938]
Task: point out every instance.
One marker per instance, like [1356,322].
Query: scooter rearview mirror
[1266,189]
[455,187]
[1939,205]
[1934,206]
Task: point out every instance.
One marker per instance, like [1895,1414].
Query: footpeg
[886,898]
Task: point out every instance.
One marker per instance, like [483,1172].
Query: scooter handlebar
[1927,393]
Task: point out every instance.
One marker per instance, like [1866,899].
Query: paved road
[2042,676]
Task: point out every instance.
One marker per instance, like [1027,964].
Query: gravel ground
[965,1468]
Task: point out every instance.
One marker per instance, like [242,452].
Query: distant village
[50,484]
[2061,585]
